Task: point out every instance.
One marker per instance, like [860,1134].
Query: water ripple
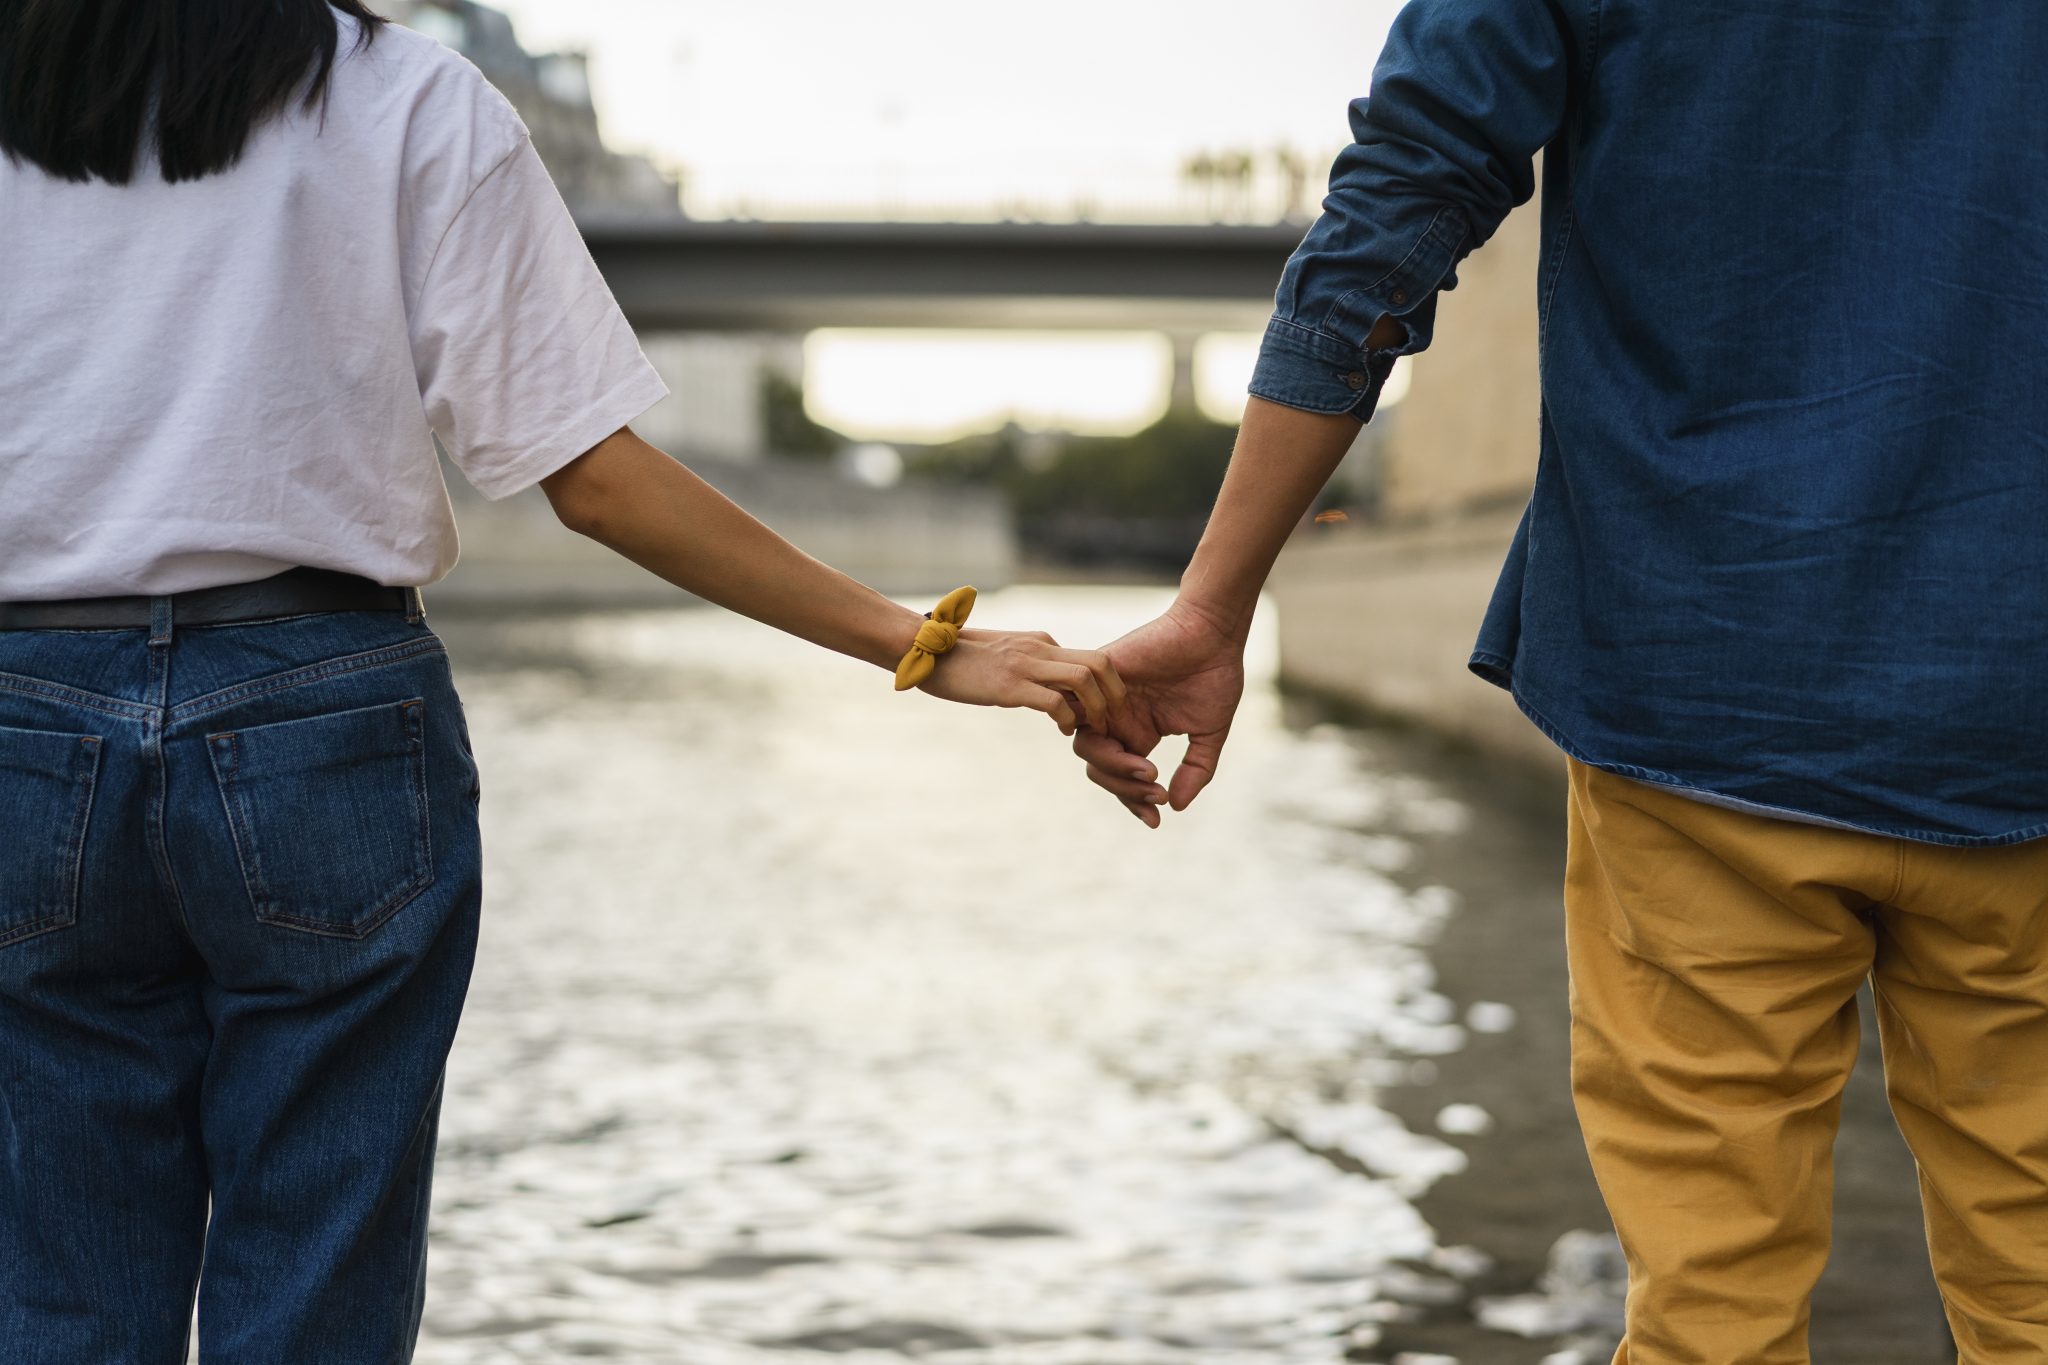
[816,1019]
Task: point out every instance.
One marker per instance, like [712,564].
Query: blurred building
[551,91]
[716,406]
[714,410]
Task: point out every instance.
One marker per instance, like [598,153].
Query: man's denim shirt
[1788,544]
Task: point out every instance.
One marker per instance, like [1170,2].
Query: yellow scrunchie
[934,638]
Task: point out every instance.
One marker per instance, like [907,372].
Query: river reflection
[814,1018]
[817,1023]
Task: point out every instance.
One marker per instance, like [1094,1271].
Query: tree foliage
[788,428]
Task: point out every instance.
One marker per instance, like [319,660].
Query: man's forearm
[1283,458]
[636,500]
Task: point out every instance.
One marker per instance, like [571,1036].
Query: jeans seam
[91,701]
[31,929]
[210,702]
[421,1201]
[81,820]
[158,831]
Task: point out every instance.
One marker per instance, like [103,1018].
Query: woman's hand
[1028,668]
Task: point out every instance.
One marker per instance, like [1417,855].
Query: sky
[944,109]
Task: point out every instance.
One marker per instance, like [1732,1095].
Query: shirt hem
[1500,672]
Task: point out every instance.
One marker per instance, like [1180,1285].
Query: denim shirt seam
[1556,262]
[1445,233]
[1303,349]
[1319,339]
[1570,215]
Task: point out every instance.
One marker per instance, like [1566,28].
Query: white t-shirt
[212,381]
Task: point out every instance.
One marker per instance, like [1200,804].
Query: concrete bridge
[791,277]
[794,276]
[1456,471]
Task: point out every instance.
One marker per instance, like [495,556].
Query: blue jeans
[239,890]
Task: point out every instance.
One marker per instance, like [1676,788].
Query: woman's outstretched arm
[636,500]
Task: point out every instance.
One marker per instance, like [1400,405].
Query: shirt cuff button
[1355,380]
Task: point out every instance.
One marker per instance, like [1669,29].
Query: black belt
[299,589]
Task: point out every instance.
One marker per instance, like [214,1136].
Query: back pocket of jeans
[329,815]
[46,787]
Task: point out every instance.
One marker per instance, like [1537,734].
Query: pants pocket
[46,787]
[329,815]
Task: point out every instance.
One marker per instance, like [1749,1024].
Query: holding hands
[1184,672]
[1184,675]
[1028,668]
[1181,674]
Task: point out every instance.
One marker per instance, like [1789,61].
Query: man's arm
[1185,671]
[1464,95]
[1282,459]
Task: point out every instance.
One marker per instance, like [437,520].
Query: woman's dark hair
[85,85]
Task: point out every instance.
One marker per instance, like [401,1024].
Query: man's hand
[1184,675]
[1185,671]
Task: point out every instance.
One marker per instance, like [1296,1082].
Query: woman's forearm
[1283,458]
[637,501]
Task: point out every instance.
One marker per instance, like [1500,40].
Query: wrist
[1222,621]
[890,635]
[1222,607]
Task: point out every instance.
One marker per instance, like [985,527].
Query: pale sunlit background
[1101,110]
[931,108]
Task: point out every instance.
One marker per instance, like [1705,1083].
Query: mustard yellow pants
[1715,957]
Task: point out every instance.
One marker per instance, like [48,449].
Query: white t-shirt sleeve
[524,359]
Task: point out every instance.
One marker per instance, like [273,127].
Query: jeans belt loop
[160,619]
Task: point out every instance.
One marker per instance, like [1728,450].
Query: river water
[816,1023]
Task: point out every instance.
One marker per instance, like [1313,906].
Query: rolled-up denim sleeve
[1464,95]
